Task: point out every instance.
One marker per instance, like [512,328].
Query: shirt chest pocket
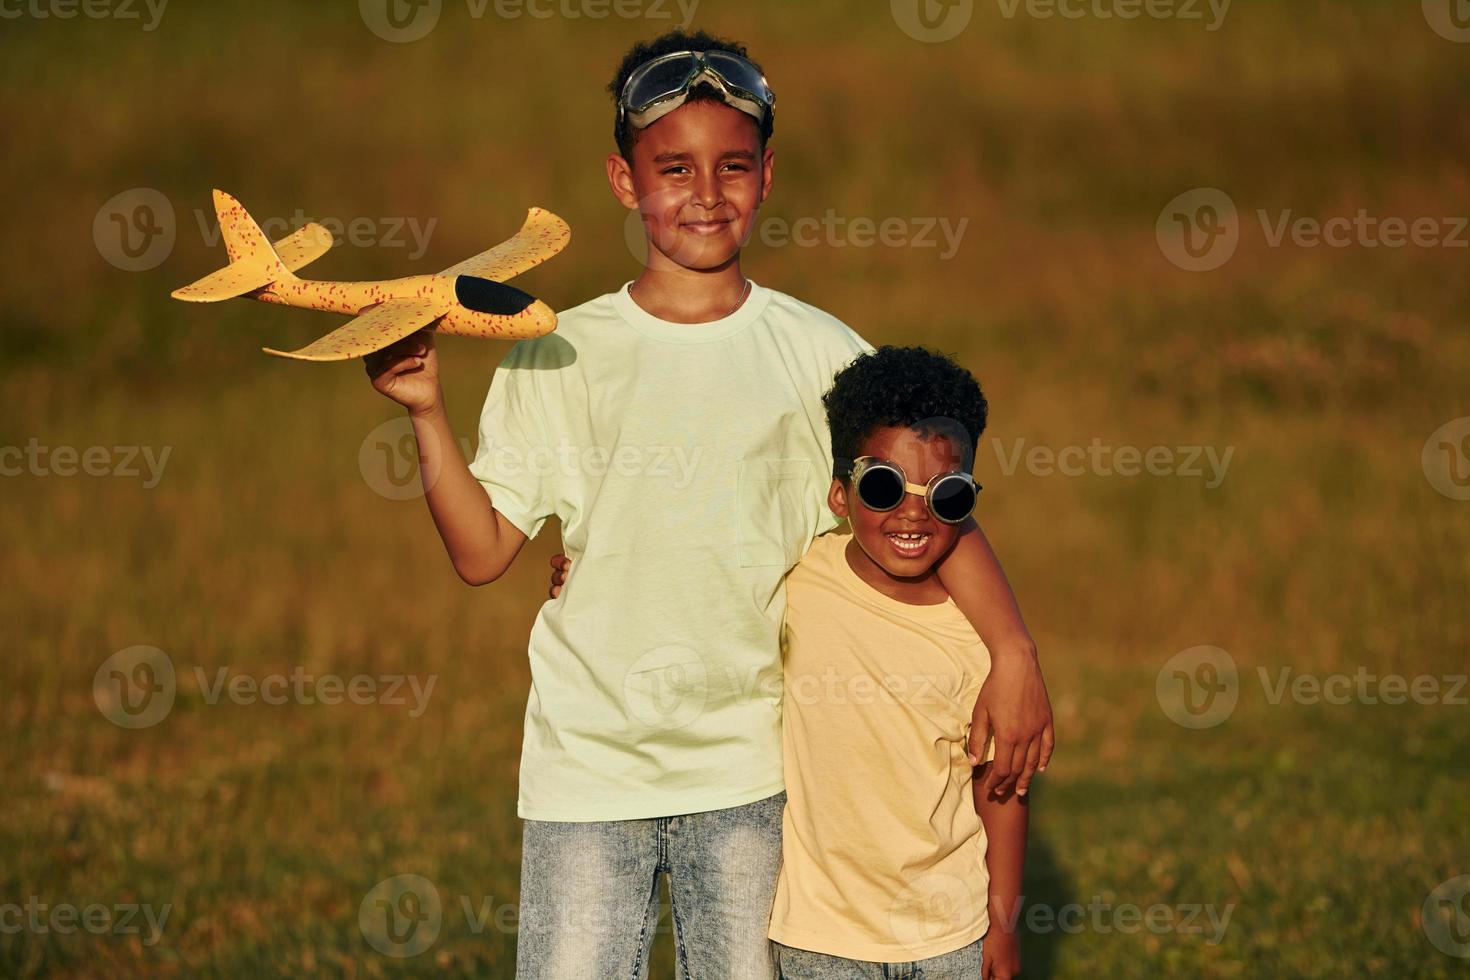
[775,510]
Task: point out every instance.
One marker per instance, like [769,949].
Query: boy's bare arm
[1013,705]
[1005,819]
[481,542]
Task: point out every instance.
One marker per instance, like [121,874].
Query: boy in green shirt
[675,427]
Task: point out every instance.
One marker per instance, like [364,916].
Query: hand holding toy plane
[469,299]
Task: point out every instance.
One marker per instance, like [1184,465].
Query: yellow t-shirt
[882,855]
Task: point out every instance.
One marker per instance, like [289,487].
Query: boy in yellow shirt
[895,859]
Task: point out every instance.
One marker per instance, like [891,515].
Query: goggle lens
[672,75]
[659,81]
[880,489]
[952,499]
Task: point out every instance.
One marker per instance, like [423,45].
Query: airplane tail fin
[254,263]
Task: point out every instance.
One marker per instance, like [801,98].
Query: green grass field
[1320,829]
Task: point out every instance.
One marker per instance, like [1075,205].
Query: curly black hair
[903,386]
[676,40]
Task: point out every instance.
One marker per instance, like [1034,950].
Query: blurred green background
[270,540]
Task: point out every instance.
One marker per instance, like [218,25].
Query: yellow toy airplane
[470,299]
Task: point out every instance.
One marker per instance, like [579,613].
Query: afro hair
[903,386]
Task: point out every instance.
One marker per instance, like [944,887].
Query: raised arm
[1013,705]
[481,541]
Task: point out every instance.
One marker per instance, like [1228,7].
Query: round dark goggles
[881,486]
[658,87]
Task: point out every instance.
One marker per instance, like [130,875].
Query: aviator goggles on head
[658,87]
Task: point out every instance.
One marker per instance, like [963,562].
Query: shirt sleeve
[514,461]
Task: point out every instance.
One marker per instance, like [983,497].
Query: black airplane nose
[489,296]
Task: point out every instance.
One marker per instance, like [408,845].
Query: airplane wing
[371,331]
[541,237]
[235,279]
[260,268]
[305,245]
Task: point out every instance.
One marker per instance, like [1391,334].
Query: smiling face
[898,549]
[698,177]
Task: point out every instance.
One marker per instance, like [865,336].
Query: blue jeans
[801,964]
[589,894]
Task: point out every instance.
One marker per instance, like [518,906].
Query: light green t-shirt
[689,466]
